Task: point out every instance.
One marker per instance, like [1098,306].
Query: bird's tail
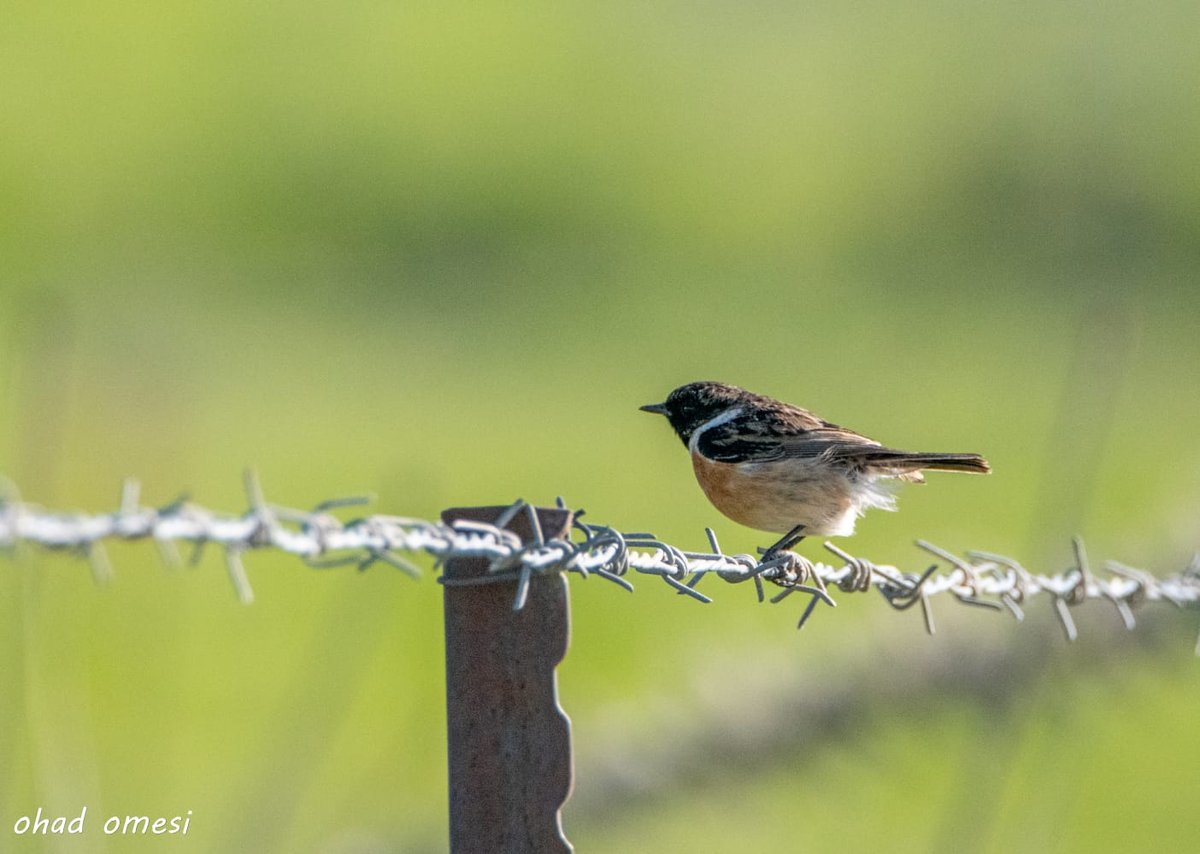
[910,461]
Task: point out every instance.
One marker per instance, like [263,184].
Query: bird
[778,468]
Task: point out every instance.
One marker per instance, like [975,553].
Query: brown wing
[763,434]
[775,431]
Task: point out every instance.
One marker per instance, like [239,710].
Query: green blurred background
[441,252]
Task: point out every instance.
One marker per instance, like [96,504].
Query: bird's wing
[794,432]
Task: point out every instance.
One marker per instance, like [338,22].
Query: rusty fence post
[509,742]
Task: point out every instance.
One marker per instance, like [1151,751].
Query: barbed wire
[324,541]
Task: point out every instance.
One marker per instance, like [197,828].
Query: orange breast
[777,496]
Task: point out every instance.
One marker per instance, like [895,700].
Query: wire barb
[324,541]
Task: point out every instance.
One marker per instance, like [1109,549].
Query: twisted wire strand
[324,541]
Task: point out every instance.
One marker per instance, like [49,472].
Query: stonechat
[779,468]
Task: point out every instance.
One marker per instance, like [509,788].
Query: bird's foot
[786,542]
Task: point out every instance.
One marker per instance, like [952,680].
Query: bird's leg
[788,540]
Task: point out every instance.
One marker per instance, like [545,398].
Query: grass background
[441,252]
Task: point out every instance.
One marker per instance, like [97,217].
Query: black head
[691,405]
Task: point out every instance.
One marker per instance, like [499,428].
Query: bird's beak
[656,408]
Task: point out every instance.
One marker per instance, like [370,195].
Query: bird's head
[694,404]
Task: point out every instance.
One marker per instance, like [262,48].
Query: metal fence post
[509,741]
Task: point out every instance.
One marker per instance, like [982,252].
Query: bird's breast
[780,494]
